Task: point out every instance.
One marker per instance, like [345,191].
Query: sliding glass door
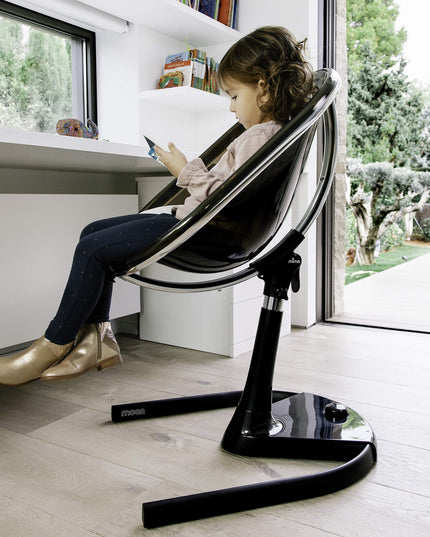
[374,237]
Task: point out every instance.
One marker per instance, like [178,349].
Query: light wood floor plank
[66,470]
[17,409]
[24,520]
[155,449]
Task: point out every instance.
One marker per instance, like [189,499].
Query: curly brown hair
[271,54]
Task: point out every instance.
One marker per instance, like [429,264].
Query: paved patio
[398,297]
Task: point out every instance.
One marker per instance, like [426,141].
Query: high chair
[237,226]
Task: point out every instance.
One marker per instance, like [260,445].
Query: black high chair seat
[237,221]
[237,226]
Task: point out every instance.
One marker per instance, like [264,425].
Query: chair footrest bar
[243,498]
[173,406]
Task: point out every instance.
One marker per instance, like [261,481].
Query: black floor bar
[176,405]
[247,497]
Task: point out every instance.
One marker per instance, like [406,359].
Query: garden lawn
[386,260]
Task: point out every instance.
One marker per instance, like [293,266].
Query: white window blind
[75,12]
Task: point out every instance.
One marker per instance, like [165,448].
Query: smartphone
[151,151]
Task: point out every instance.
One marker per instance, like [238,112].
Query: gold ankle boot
[29,364]
[95,348]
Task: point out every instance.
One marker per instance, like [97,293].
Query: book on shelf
[191,68]
[179,73]
[227,13]
[209,8]
[224,11]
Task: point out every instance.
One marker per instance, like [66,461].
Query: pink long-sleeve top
[201,182]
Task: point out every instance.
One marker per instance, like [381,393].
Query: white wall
[118,85]
[37,247]
[301,18]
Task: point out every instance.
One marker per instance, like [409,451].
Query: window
[47,70]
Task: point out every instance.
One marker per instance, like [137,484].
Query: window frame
[89,72]
[325,224]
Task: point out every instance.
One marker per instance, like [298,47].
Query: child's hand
[173,159]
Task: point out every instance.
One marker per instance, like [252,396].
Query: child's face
[243,101]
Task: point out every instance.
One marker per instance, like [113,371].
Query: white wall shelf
[186,98]
[170,18]
[42,151]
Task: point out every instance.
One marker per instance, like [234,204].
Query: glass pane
[36,82]
[386,255]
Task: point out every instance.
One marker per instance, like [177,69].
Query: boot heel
[109,362]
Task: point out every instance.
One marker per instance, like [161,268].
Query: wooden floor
[67,471]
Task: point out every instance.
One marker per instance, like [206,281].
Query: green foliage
[12,89]
[379,196]
[370,24]
[391,189]
[385,261]
[35,77]
[386,112]
[394,236]
[350,229]
[422,159]
[426,229]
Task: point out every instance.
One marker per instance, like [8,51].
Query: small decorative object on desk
[74,127]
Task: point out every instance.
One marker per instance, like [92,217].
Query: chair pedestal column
[253,415]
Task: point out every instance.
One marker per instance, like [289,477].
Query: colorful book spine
[224,11]
[185,67]
[209,8]
[178,57]
[198,70]
[233,21]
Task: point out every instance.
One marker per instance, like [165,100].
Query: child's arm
[173,159]
[201,182]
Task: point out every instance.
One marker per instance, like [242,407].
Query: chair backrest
[245,226]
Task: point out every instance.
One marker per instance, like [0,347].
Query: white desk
[41,151]
[51,186]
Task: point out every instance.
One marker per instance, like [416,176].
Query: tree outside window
[388,128]
[47,71]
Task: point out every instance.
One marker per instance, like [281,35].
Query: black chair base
[268,423]
[304,426]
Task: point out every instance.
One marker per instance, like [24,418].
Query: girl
[268,81]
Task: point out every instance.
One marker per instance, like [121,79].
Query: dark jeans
[102,244]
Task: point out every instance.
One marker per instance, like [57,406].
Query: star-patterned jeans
[102,245]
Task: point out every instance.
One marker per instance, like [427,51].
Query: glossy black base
[303,426]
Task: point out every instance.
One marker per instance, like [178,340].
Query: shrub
[425,224]
[394,236]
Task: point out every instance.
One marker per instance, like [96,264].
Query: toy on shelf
[74,127]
